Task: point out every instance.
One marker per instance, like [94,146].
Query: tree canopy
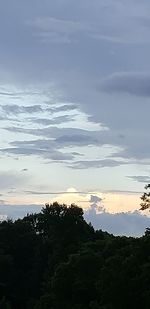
[54,260]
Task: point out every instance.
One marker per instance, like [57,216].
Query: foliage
[146,198]
[54,260]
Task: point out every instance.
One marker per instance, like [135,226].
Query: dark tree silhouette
[54,260]
[145,198]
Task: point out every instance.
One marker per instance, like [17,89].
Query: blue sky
[74,103]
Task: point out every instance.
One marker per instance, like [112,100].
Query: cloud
[133,83]
[54,30]
[95,199]
[50,154]
[53,121]
[144,179]
[96,164]
[128,140]
[57,132]
[45,148]
[55,141]
[10,211]
[96,203]
[112,22]
[61,144]
[128,224]
[64,108]
[76,139]
[69,191]
[111,37]
[17,109]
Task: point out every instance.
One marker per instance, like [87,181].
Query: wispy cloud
[140,178]
[96,164]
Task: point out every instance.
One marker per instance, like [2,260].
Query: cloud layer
[74,94]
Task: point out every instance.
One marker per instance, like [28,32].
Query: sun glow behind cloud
[112,202]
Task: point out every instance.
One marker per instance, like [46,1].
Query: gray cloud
[8,211]
[111,37]
[95,199]
[63,137]
[96,203]
[129,143]
[133,83]
[50,154]
[64,108]
[17,109]
[76,139]
[55,193]
[96,164]
[46,148]
[14,109]
[112,22]
[128,224]
[54,30]
[53,121]
[59,139]
[144,179]
[36,108]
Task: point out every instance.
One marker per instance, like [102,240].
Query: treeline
[55,260]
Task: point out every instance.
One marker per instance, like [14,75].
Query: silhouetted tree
[54,260]
[145,198]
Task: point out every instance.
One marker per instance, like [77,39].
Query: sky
[74,108]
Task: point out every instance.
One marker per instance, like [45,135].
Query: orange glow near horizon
[111,202]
